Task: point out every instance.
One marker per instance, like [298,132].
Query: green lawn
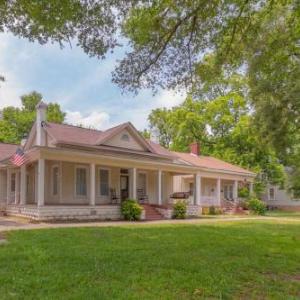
[232,260]
[284,214]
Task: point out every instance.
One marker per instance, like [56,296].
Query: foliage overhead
[247,49]
[17,122]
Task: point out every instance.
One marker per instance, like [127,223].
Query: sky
[80,84]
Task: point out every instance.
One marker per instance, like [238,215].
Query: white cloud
[97,120]
[169,99]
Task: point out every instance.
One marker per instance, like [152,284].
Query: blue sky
[81,85]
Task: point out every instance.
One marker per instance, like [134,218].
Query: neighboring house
[277,197]
[77,173]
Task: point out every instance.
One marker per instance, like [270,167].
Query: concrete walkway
[10,223]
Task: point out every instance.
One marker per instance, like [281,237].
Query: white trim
[197,188]
[60,181]
[41,182]
[159,186]
[23,185]
[79,166]
[98,183]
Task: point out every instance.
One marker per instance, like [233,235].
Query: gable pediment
[127,140]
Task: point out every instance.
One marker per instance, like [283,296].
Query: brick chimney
[40,120]
[195,149]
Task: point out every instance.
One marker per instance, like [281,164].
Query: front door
[124,180]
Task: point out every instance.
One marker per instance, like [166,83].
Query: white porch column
[197,178]
[235,190]
[134,184]
[159,187]
[92,184]
[23,185]
[219,191]
[41,182]
[8,186]
[17,190]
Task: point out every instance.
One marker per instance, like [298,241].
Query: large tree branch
[235,26]
[164,45]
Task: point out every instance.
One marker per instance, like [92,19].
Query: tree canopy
[184,44]
[224,128]
[237,50]
[15,123]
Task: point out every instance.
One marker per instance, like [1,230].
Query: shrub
[179,210]
[243,192]
[205,210]
[256,206]
[243,204]
[131,210]
[212,210]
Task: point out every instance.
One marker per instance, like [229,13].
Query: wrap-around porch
[61,189]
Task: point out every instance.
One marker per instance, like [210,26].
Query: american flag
[18,159]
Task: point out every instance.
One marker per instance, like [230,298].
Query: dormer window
[125,137]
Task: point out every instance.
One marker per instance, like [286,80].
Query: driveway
[8,222]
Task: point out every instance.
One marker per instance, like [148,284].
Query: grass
[284,214]
[232,260]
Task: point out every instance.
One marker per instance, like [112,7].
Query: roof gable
[125,136]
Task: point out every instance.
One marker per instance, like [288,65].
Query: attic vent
[125,137]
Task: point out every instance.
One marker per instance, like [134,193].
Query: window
[55,180]
[142,182]
[81,181]
[228,191]
[13,182]
[125,137]
[104,182]
[271,193]
[191,189]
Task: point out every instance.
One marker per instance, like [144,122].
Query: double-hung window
[272,193]
[104,182]
[13,182]
[81,181]
[55,180]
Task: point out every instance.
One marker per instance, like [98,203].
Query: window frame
[75,181]
[58,178]
[13,175]
[274,193]
[228,189]
[146,181]
[99,168]
[125,137]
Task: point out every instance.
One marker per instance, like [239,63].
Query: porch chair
[114,199]
[142,197]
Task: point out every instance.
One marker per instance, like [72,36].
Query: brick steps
[151,213]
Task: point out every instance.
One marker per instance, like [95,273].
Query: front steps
[151,214]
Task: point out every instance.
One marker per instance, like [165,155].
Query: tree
[172,43]
[224,128]
[17,122]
